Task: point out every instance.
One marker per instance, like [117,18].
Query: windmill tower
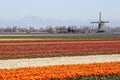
[101,27]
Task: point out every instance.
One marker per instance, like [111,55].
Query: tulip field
[55,48]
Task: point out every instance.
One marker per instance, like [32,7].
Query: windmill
[101,27]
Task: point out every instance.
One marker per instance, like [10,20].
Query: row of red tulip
[56,48]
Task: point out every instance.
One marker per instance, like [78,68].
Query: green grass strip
[60,37]
[109,77]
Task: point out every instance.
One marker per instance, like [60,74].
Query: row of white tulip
[33,62]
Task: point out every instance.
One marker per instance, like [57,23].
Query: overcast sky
[82,10]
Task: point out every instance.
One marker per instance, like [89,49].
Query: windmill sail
[100,17]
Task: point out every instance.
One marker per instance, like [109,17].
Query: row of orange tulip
[61,71]
[63,42]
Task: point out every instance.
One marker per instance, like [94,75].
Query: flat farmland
[59,57]
[49,36]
